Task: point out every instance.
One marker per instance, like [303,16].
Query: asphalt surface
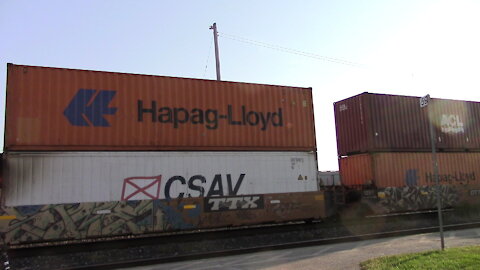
[328,257]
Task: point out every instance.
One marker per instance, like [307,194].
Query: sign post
[426,101]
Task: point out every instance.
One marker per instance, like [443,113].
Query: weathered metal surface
[356,170]
[66,109]
[421,198]
[328,178]
[42,223]
[375,122]
[76,177]
[403,199]
[410,169]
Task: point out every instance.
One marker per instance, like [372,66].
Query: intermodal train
[92,154]
[384,147]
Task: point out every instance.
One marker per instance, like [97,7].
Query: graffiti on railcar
[175,216]
[43,223]
[475,192]
[412,198]
[76,221]
[286,208]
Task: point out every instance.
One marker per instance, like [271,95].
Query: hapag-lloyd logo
[88,108]
[210,118]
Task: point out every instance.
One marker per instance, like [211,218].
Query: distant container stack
[76,136]
[383,142]
[369,123]
[388,169]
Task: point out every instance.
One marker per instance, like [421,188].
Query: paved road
[328,257]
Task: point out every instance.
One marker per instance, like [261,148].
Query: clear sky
[409,47]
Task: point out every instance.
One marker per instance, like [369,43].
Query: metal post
[435,170]
[217,57]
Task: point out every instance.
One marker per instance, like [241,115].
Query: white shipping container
[74,177]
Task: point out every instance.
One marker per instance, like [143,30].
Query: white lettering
[250,202]
[234,202]
[216,203]
[451,123]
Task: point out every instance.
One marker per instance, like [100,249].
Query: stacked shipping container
[77,136]
[52,109]
[384,140]
[390,169]
[77,177]
[386,123]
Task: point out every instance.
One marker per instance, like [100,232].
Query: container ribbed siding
[410,169]
[76,177]
[356,170]
[328,178]
[387,123]
[65,109]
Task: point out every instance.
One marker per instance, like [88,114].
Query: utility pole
[217,57]
[426,101]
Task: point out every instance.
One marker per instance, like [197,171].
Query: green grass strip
[452,258]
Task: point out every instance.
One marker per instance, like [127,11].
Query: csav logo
[88,107]
[141,188]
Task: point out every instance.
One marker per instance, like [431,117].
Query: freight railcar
[383,144]
[401,182]
[76,195]
[98,154]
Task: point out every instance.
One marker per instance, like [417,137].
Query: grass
[452,258]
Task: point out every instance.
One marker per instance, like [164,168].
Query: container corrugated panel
[66,109]
[356,170]
[329,178]
[410,169]
[351,125]
[74,177]
[375,122]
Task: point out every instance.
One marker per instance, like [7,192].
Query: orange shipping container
[409,169]
[66,109]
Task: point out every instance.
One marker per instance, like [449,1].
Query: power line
[208,59]
[289,50]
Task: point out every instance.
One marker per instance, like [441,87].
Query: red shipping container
[66,109]
[375,122]
[409,169]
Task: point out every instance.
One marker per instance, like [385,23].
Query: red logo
[141,188]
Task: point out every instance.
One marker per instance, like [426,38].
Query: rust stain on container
[66,109]
[375,122]
[409,169]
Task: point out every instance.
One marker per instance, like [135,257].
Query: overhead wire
[370,68]
[289,50]
[208,59]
